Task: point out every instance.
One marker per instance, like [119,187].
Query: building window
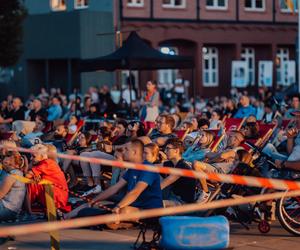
[217,4]
[210,67]
[168,76]
[58,5]
[248,55]
[282,57]
[284,7]
[81,4]
[174,3]
[255,5]
[135,3]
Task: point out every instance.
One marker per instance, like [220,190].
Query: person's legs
[6,214]
[272,152]
[96,168]
[119,225]
[173,201]
[65,164]
[206,168]
[86,169]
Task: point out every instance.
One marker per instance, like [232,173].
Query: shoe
[95,190]
[80,188]
[203,197]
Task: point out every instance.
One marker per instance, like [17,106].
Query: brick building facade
[215,32]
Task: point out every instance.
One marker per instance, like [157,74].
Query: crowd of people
[182,135]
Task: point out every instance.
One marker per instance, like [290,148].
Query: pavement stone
[81,239]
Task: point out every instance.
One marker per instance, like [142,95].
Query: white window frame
[286,9]
[208,54]
[283,55]
[172,5]
[254,8]
[216,6]
[59,3]
[168,76]
[134,3]
[247,55]
[81,6]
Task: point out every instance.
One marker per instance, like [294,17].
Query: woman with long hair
[198,151]
[150,103]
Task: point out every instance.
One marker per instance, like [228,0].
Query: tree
[12,15]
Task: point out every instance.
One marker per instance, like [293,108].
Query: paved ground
[240,239]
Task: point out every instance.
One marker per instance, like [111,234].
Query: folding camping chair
[70,138]
[234,123]
[181,134]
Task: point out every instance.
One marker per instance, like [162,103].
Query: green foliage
[12,15]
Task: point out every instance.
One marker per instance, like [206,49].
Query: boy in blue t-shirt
[143,188]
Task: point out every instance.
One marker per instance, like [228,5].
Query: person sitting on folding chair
[143,188]
[223,161]
[177,190]
[198,151]
[164,131]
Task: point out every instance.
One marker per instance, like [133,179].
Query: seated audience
[177,190]
[12,191]
[46,169]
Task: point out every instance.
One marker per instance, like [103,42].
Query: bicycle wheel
[288,213]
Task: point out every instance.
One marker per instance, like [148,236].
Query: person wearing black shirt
[37,111]
[17,113]
[179,190]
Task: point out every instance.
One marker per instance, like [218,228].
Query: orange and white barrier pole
[226,178]
[104,219]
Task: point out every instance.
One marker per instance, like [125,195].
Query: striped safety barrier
[142,214]
[217,177]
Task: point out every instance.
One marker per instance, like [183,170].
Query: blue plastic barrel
[193,233]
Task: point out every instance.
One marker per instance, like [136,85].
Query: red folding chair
[181,134]
[48,127]
[265,133]
[71,137]
[6,136]
[234,123]
[285,123]
[216,142]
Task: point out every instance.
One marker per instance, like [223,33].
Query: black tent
[136,54]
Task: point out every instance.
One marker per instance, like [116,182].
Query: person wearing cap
[45,168]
